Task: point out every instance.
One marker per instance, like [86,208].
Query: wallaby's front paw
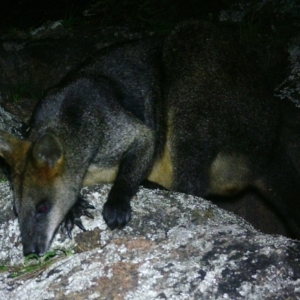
[73,216]
[116,215]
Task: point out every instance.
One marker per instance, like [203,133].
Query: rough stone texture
[9,122]
[12,124]
[176,247]
[290,88]
[30,65]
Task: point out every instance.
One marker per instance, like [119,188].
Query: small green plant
[69,20]
[69,23]
[13,33]
[3,179]
[33,264]
[21,91]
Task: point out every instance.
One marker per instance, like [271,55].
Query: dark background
[32,13]
[264,30]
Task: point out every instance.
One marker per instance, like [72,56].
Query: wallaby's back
[224,124]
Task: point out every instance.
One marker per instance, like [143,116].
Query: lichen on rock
[176,247]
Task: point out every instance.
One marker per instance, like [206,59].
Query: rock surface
[31,65]
[176,247]
[284,17]
[9,122]
[290,88]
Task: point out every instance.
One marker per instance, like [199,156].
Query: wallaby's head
[40,198]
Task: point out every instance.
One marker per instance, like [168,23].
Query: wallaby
[102,124]
[189,113]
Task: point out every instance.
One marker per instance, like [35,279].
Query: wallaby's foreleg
[133,169]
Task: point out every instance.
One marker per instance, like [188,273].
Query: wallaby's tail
[280,184]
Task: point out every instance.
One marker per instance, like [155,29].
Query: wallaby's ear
[48,151]
[13,149]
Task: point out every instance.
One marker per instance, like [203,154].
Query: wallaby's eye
[43,208]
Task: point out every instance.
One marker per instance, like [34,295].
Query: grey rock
[290,88]
[30,65]
[176,247]
[10,122]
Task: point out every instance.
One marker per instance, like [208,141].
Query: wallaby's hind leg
[192,181]
[229,174]
[224,174]
[274,176]
[280,184]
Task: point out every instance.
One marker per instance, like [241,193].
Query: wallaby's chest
[96,174]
